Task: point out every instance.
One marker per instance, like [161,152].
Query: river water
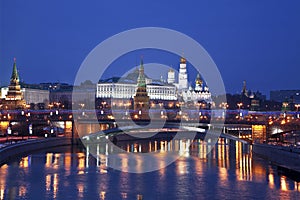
[229,171]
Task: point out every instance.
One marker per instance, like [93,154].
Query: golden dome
[182,60]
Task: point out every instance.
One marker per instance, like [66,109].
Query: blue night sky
[257,41]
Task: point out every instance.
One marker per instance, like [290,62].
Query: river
[229,171]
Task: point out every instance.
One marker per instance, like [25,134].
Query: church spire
[244,90]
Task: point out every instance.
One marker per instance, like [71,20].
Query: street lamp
[297,106]
[8,133]
[285,105]
[30,129]
[223,105]
[239,105]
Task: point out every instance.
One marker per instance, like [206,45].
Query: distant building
[197,94]
[121,90]
[125,87]
[141,98]
[30,95]
[13,97]
[285,96]
[251,100]
[182,76]
[22,94]
[61,94]
[171,76]
[68,96]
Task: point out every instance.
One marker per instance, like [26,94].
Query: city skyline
[252,40]
[156,75]
[149,99]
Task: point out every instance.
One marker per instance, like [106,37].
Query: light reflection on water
[228,171]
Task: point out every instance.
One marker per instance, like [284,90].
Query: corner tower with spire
[141,98]
[14,88]
[14,98]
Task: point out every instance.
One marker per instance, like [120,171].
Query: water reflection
[3,176]
[81,176]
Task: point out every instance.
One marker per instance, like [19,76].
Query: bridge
[20,121]
[169,129]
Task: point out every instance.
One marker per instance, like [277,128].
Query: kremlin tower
[14,98]
[182,77]
[141,98]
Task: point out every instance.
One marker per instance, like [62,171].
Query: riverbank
[22,148]
[286,158]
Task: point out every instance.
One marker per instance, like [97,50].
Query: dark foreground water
[229,171]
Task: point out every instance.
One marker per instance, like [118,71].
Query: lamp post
[8,133]
[30,130]
[239,105]
[297,106]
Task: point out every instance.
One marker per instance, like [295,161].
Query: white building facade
[182,76]
[199,93]
[30,95]
[194,96]
[128,90]
[160,90]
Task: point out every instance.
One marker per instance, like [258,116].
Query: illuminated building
[141,98]
[285,95]
[14,97]
[182,76]
[30,95]
[123,90]
[171,76]
[199,93]
[125,87]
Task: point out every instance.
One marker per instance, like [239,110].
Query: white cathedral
[125,88]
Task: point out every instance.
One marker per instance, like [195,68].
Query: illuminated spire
[15,75]
[141,79]
[14,90]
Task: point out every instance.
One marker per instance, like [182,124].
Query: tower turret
[141,98]
[182,76]
[14,98]
[141,78]
[244,90]
[171,76]
[199,83]
[14,88]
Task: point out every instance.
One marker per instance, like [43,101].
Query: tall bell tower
[182,77]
